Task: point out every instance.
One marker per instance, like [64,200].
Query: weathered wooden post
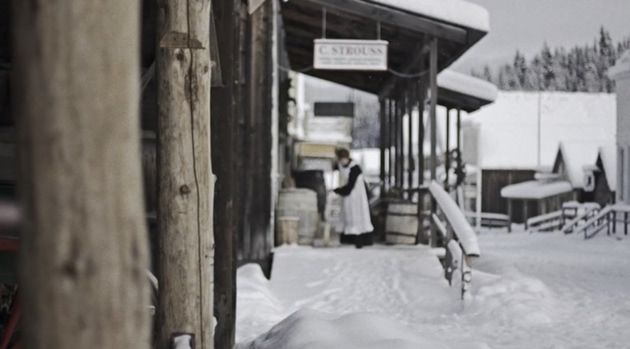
[224,156]
[185,179]
[382,128]
[84,247]
[433,68]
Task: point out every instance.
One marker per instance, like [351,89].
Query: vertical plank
[84,250]
[185,179]
[410,162]
[224,156]
[433,67]
[382,130]
[447,152]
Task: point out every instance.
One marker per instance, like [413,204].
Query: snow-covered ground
[529,291]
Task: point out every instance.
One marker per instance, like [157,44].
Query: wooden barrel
[401,226]
[301,203]
[314,180]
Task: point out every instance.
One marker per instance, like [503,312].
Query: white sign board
[336,54]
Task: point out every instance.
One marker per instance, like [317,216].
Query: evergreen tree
[581,68]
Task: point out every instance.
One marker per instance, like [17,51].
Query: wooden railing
[578,218]
[490,220]
[546,222]
[455,221]
[460,240]
[455,259]
[607,219]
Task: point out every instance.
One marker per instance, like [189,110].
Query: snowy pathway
[529,291]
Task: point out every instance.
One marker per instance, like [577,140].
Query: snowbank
[528,291]
[256,303]
[308,329]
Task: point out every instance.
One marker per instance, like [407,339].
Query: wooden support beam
[392,142]
[225,152]
[410,160]
[382,143]
[433,65]
[84,242]
[185,179]
[400,107]
[447,151]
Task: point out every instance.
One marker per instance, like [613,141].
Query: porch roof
[408,26]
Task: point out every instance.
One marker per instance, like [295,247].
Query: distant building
[621,74]
[520,134]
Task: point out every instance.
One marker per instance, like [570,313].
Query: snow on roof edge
[535,190]
[468,85]
[458,12]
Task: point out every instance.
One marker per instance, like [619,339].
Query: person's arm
[355,171]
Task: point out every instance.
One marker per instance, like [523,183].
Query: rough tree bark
[185,179]
[84,243]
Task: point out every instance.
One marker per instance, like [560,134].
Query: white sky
[527,24]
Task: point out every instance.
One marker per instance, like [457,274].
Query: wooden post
[422,92]
[396,141]
[400,108]
[185,179]
[84,250]
[447,155]
[410,162]
[433,67]
[392,143]
[382,128]
[225,153]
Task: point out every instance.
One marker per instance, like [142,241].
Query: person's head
[343,156]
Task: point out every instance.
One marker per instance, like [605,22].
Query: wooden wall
[492,183]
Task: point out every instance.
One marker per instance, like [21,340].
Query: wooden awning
[408,31]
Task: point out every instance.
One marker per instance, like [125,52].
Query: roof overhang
[535,190]
[407,29]
[461,91]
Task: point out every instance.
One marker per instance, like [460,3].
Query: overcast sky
[526,24]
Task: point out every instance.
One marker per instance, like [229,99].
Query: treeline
[578,69]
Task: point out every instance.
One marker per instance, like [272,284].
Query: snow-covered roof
[622,67]
[467,85]
[457,12]
[608,154]
[507,130]
[575,157]
[535,190]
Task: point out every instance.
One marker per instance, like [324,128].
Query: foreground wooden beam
[185,179]
[225,152]
[84,249]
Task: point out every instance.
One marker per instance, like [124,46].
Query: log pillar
[84,248]
[185,179]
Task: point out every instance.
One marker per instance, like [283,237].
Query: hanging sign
[336,54]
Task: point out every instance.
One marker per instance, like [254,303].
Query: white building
[621,74]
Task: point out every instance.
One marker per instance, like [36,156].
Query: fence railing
[546,222]
[455,260]
[579,217]
[490,220]
[607,219]
[455,220]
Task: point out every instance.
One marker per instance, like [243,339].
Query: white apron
[356,208]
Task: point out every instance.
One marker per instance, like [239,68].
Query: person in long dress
[356,207]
